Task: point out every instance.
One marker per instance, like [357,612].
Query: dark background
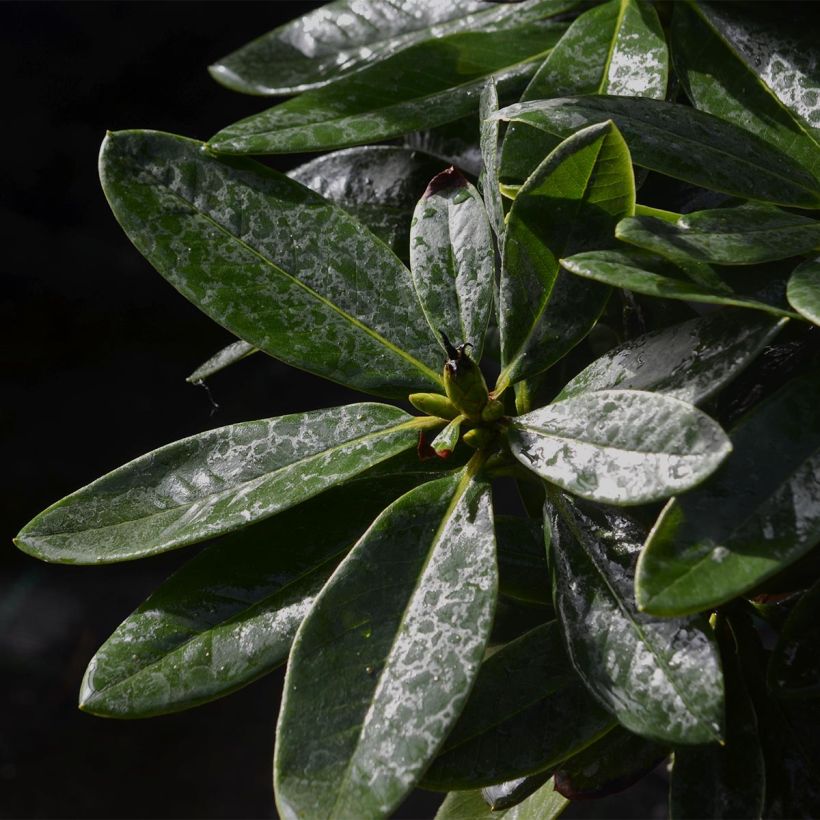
[94,348]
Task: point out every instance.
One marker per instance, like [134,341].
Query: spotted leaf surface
[545,804]
[644,273]
[488,105]
[803,290]
[619,446]
[527,712]
[452,260]
[690,361]
[230,614]
[402,656]
[742,235]
[661,677]
[427,84]
[683,143]
[276,264]
[757,76]
[570,203]
[614,48]
[349,35]
[756,516]
[216,482]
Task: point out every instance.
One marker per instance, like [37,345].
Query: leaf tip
[450,179]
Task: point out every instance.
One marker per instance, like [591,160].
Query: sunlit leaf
[544,804]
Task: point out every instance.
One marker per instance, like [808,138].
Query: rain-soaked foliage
[577,243]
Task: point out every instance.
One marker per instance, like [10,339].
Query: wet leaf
[803,290]
[794,666]
[614,48]
[509,794]
[231,354]
[348,35]
[690,361]
[545,804]
[230,614]
[683,143]
[428,84]
[274,263]
[572,202]
[722,781]
[402,657]
[755,75]
[452,260]
[756,516]
[377,184]
[216,482]
[742,235]
[619,446]
[660,677]
[608,766]
[488,105]
[527,712]
[522,562]
[636,271]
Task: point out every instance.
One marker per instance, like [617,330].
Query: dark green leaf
[751,75]
[348,35]
[428,84]
[728,780]
[683,143]
[572,202]
[660,677]
[229,615]
[522,563]
[690,361]
[488,106]
[803,290]
[629,270]
[398,632]
[527,712]
[452,260]
[377,184]
[794,667]
[619,446]
[454,143]
[545,804]
[614,48]
[608,766]
[509,794]
[229,355]
[759,514]
[276,264]
[216,482]
[742,235]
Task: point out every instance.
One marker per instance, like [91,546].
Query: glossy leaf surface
[452,260]
[609,765]
[216,482]
[683,143]
[428,84]
[231,354]
[743,235]
[274,263]
[348,35]
[545,804]
[402,656]
[661,677]
[619,446]
[509,794]
[690,361]
[526,713]
[230,614]
[613,48]
[522,562]
[794,666]
[488,106]
[723,781]
[570,203]
[636,271]
[377,184]
[756,516]
[803,290]
[754,77]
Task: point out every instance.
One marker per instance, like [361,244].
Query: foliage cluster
[654,401]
